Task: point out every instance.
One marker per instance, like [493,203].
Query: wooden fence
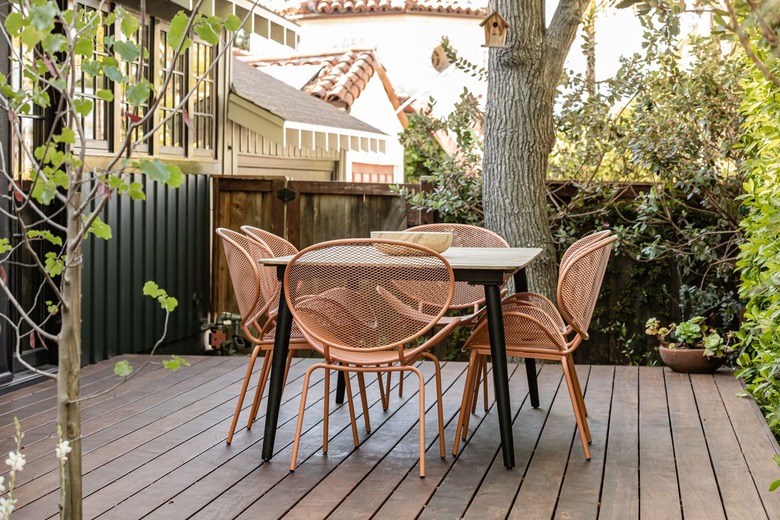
[304,212]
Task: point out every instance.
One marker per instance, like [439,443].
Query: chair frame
[563,332]
[378,359]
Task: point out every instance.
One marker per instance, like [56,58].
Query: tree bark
[519,128]
[68,379]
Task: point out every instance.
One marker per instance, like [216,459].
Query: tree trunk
[520,132]
[68,378]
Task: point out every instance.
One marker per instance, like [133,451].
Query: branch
[743,41]
[18,352]
[25,316]
[561,33]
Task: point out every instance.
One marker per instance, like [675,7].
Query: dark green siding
[164,239]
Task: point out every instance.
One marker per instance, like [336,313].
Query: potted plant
[690,346]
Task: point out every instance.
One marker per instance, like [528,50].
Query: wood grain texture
[665,446]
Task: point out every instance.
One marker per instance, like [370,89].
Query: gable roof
[301,8]
[288,103]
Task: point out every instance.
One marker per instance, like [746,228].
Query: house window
[128,112]
[204,104]
[96,124]
[31,125]
[171,132]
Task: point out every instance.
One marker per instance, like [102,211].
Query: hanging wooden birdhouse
[496,29]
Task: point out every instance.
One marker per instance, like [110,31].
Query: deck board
[665,445]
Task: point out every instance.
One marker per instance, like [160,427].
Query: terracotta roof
[298,8]
[342,76]
[288,102]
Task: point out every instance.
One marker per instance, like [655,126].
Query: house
[276,129]
[353,81]
[407,34]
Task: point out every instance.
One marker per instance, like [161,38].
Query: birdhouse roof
[493,16]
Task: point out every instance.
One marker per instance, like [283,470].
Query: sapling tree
[63,65]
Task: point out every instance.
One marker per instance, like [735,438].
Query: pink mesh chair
[281,247]
[366,332]
[536,328]
[257,294]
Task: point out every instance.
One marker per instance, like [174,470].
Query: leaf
[128,51]
[151,289]
[13,22]
[123,368]
[91,67]
[54,264]
[232,23]
[105,95]
[84,47]
[52,308]
[100,229]
[208,29]
[187,121]
[113,73]
[44,191]
[139,93]
[176,37]
[136,191]
[83,106]
[175,363]
[3,274]
[5,245]
[774,485]
[170,304]
[67,136]
[42,15]
[129,24]
[44,234]
[134,117]
[176,176]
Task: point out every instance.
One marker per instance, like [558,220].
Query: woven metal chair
[256,289]
[281,247]
[536,328]
[366,332]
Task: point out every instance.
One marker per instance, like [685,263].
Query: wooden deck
[665,445]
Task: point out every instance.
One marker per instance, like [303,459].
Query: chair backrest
[277,245]
[334,293]
[580,280]
[466,235]
[256,287]
[581,244]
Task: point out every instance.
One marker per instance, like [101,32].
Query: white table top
[487,258]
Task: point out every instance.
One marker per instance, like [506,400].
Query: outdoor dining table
[486,266]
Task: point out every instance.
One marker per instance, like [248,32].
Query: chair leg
[465,403]
[242,393]
[582,422]
[351,406]
[474,385]
[422,418]
[577,385]
[326,416]
[363,400]
[265,371]
[439,406]
[301,410]
[384,397]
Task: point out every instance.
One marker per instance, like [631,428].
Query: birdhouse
[496,29]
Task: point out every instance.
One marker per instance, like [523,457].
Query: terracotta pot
[689,360]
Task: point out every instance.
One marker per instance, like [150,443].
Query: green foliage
[175,363]
[693,333]
[457,175]
[123,368]
[759,258]
[666,120]
[169,303]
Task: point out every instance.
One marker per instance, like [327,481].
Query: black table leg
[276,385]
[340,388]
[521,285]
[500,375]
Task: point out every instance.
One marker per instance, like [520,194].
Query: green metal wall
[164,239]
